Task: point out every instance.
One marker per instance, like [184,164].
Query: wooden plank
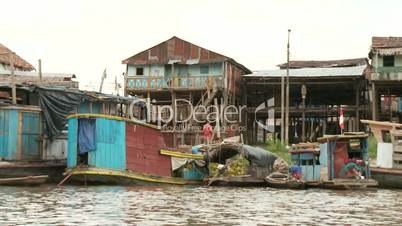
[397,157]
[388,125]
[181,154]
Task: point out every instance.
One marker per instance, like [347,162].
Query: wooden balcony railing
[191,82]
[387,74]
[389,69]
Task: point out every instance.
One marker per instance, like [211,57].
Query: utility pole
[40,70]
[116,86]
[282,109]
[103,79]
[287,92]
[13,86]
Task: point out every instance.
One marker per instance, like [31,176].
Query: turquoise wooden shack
[109,137]
[20,133]
[308,161]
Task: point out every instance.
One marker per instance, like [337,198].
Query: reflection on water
[114,205]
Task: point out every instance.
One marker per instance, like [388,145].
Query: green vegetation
[372,147]
[277,148]
[235,166]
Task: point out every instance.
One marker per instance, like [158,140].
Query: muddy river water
[166,205]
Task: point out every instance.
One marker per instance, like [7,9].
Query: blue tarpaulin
[86,135]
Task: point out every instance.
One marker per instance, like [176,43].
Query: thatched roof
[19,63]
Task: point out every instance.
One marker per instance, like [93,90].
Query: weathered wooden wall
[143,145]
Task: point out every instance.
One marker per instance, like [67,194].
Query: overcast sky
[84,37]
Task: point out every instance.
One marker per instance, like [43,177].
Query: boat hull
[348,184]
[236,182]
[387,178]
[96,176]
[24,181]
[54,171]
[289,184]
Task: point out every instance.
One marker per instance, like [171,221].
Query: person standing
[207,132]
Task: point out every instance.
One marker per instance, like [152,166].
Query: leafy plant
[279,149]
[372,147]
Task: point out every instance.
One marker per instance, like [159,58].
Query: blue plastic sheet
[86,135]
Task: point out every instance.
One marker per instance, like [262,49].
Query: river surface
[115,205]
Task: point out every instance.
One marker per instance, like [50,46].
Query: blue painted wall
[72,142]
[311,172]
[8,133]
[110,145]
[31,134]
[181,70]
[213,69]
[84,107]
[400,104]
[324,154]
[96,108]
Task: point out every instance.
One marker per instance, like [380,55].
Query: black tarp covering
[259,156]
[56,105]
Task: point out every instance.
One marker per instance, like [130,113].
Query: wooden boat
[388,169]
[280,180]
[126,152]
[348,184]
[259,164]
[236,181]
[18,169]
[337,162]
[89,175]
[345,162]
[25,148]
[24,181]
[387,178]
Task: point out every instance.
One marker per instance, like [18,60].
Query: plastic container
[192,174]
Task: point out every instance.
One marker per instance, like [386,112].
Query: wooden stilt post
[174,118]
[390,105]
[357,101]
[374,100]
[13,86]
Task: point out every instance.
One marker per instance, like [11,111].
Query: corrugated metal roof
[312,72]
[35,74]
[176,50]
[324,63]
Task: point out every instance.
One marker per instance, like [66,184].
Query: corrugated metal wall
[8,133]
[56,148]
[72,142]
[110,145]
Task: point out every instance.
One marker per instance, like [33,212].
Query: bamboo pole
[13,86]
